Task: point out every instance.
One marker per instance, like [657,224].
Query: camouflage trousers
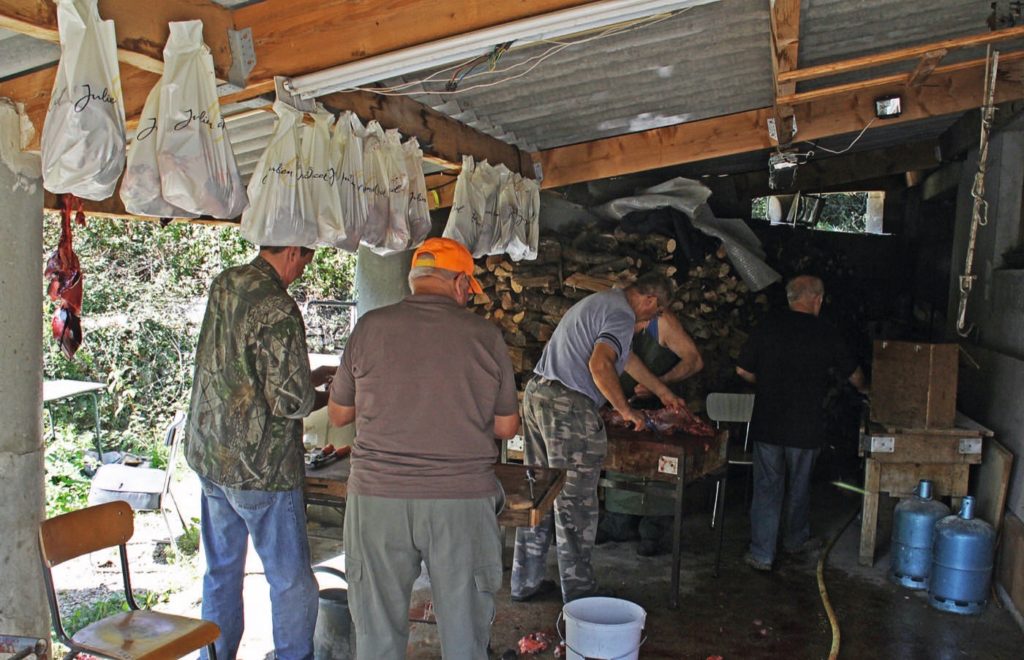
[561,429]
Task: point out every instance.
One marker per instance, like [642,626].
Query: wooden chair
[134,635]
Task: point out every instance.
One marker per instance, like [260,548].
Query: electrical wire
[849,146]
[533,61]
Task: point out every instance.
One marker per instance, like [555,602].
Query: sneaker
[813,544]
[755,564]
[545,588]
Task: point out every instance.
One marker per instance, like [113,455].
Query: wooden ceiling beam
[293,37]
[914,52]
[947,93]
[785,43]
[895,82]
[925,66]
[141,34]
[848,170]
[439,135]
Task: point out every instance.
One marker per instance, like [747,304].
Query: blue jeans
[276,520]
[774,465]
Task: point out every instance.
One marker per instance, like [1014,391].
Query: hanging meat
[65,276]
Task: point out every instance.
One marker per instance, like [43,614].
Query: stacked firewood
[527,299]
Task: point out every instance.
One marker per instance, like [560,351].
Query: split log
[572,254]
[590,282]
[611,266]
[555,306]
[547,282]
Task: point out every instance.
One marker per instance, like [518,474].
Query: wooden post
[869,516]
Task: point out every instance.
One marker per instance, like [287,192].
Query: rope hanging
[979,214]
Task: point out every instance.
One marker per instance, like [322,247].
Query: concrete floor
[745,614]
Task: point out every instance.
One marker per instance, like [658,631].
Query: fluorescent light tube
[553,25]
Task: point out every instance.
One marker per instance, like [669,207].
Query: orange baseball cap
[449,255]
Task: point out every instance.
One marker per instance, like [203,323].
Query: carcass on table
[65,276]
[664,421]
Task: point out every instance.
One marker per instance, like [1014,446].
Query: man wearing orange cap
[429,386]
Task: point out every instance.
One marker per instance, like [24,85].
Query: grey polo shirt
[604,317]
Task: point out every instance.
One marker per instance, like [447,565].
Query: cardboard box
[913,385]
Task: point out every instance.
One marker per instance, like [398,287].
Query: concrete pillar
[23,609]
[381,280]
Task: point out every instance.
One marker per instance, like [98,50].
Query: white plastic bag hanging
[320,176]
[197,166]
[140,187]
[524,218]
[83,140]
[505,210]
[396,235]
[419,209]
[375,186]
[347,147]
[486,179]
[279,199]
[463,219]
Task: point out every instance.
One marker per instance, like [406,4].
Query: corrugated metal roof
[707,61]
[20,54]
[654,75]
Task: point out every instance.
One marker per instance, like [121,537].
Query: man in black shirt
[788,359]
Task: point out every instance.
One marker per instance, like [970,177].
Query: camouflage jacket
[252,384]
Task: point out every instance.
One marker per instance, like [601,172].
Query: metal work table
[678,459]
[328,486]
[56,390]
[897,459]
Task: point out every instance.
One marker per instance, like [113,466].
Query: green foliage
[100,609]
[145,293]
[844,212]
[67,487]
[188,543]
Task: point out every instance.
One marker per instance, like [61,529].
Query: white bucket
[606,628]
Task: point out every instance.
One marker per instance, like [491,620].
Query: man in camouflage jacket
[251,390]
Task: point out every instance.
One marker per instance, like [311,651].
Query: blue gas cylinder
[962,560]
[912,529]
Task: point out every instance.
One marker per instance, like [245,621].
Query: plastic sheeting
[742,246]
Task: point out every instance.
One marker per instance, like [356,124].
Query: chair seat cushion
[143,634]
[140,487]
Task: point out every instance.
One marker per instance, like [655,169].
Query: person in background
[430,386]
[665,348]
[252,388]
[578,371]
[788,359]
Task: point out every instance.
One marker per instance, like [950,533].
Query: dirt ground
[739,614]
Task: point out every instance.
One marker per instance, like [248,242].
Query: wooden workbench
[328,486]
[897,459]
[678,459]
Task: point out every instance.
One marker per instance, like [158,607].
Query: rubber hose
[823,591]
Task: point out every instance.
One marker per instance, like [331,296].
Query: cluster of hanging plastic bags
[495,211]
[180,164]
[337,184]
[319,182]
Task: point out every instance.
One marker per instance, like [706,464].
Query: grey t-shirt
[427,378]
[604,317]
